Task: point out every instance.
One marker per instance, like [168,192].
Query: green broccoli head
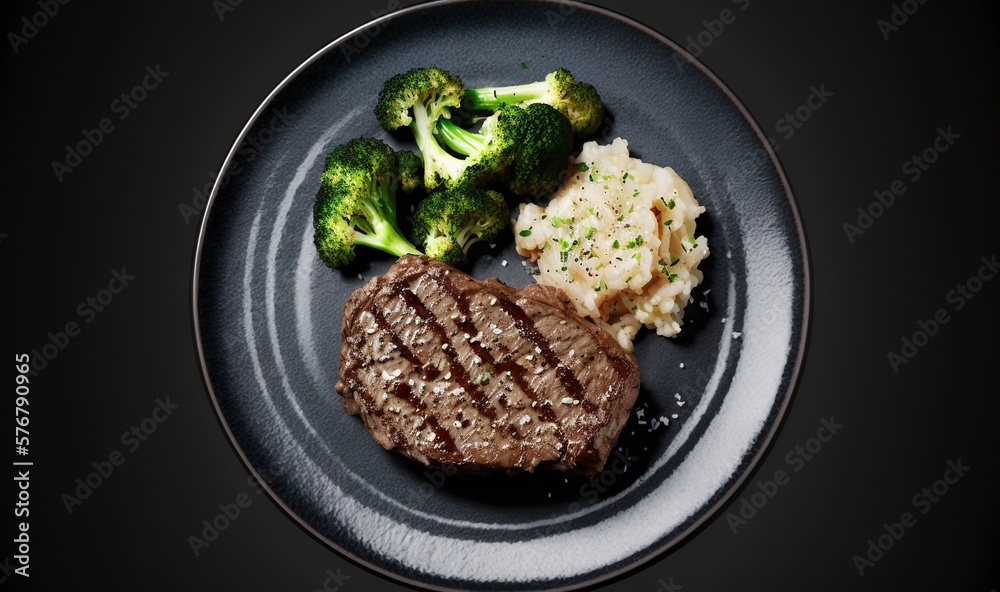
[545,150]
[411,171]
[430,91]
[578,101]
[419,99]
[492,151]
[450,221]
[356,203]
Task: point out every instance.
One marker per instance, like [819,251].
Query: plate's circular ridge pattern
[268,313]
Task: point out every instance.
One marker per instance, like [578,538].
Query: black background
[60,241]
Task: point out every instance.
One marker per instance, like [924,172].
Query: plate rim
[766,440]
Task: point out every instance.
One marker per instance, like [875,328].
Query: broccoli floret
[419,99]
[541,146]
[450,221]
[545,150]
[492,151]
[411,171]
[356,203]
[578,101]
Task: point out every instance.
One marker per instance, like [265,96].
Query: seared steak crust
[445,368]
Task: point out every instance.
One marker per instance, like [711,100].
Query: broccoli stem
[379,225]
[436,159]
[490,98]
[386,240]
[459,139]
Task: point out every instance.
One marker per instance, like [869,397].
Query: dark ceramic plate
[268,313]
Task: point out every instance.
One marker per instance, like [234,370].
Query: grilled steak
[445,368]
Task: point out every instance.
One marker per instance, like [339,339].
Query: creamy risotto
[619,238]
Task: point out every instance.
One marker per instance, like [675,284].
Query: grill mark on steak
[527,329]
[403,391]
[543,408]
[466,325]
[428,371]
[384,325]
[479,399]
[397,436]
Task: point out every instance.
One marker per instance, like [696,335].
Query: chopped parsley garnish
[675,261]
[589,231]
[614,245]
[637,257]
[671,204]
[557,221]
[525,233]
[668,222]
[524,66]
[591,176]
[582,167]
[601,286]
[671,277]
